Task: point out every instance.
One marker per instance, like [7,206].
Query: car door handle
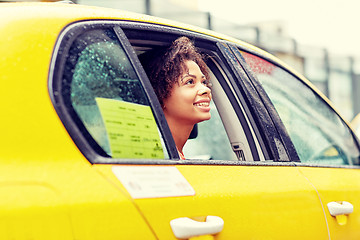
[185,227]
[340,208]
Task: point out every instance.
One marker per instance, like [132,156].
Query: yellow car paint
[338,184]
[249,210]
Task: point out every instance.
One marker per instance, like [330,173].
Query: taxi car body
[86,152]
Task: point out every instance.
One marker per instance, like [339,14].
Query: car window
[221,137]
[108,99]
[318,133]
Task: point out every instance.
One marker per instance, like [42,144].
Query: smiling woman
[180,79]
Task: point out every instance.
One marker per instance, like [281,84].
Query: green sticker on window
[131,129]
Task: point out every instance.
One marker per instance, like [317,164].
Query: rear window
[106,99]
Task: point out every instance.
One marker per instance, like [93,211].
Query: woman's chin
[205,117]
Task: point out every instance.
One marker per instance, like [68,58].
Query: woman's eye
[190,81]
[207,83]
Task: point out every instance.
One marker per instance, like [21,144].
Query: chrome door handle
[340,208]
[184,227]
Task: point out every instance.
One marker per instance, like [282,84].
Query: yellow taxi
[86,152]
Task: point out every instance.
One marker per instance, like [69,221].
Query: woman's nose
[204,90]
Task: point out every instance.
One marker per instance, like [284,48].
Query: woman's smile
[203,104]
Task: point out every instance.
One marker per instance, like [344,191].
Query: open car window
[208,140]
[224,136]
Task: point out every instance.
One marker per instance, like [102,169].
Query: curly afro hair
[164,66]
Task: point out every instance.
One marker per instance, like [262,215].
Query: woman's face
[189,100]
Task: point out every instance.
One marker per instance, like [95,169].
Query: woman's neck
[180,132]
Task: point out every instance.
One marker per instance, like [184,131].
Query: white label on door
[153,182]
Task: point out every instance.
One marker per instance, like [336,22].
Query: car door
[328,150]
[121,130]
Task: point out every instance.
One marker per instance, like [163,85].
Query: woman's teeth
[203,104]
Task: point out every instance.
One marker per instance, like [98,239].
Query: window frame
[267,129]
[238,111]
